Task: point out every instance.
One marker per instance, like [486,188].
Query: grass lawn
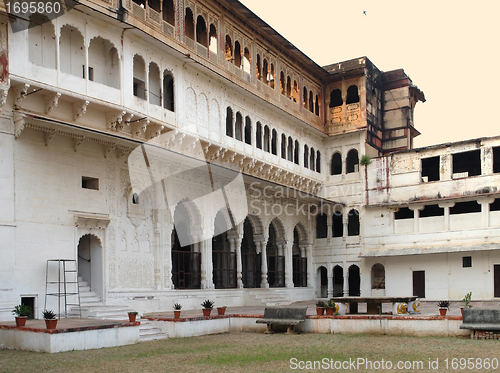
[257,352]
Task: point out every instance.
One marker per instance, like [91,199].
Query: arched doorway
[378,280]
[275,260]
[250,260]
[354,281]
[323,282]
[338,281]
[90,262]
[186,262]
[223,260]
[299,262]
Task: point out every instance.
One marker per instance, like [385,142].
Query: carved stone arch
[257,226]
[301,230]
[111,43]
[75,27]
[279,228]
[82,232]
[193,211]
[225,225]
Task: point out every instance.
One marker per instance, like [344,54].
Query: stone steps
[148,331]
[268,297]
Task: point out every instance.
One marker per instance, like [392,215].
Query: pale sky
[449,49]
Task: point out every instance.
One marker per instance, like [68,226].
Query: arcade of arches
[248,256]
[337,283]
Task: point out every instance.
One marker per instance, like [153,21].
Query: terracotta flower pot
[132,317]
[221,310]
[320,311]
[21,320]
[206,312]
[177,314]
[442,311]
[51,324]
[462,311]
[329,311]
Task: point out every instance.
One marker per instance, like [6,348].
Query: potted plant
[466,302]
[50,319]
[221,310]
[177,310]
[443,307]
[22,312]
[132,316]
[330,307]
[320,308]
[207,307]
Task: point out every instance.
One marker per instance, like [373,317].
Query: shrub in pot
[132,316]
[22,312]
[50,319]
[320,308]
[207,305]
[177,310]
[466,302]
[444,306]
[221,310]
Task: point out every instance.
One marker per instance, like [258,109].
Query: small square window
[466,261]
[90,183]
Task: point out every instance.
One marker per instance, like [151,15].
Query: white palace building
[179,150]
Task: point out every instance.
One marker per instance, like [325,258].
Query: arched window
[306,156]
[352,162]
[189,24]
[378,276]
[247,65]
[321,226]
[290,149]
[282,83]
[229,122]
[296,152]
[237,54]
[336,98]
[316,106]
[155,5]
[154,84]
[288,87]
[71,51]
[265,72]
[258,68]
[169,12]
[139,77]
[295,91]
[274,142]
[337,224]
[201,31]
[229,49]
[168,91]
[248,130]
[312,159]
[318,161]
[353,223]
[283,146]
[42,42]
[238,127]
[352,95]
[104,66]
[336,164]
[212,39]
[258,136]
[311,102]
[304,97]
[266,139]
[135,199]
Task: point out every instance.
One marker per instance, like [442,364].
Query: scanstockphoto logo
[185,186]
[24,14]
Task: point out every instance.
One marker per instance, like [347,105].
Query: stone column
[310,269]
[329,227]
[235,243]
[329,276]
[416,215]
[446,206]
[263,270]
[288,247]
[167,256]
[485,210]
[346,279]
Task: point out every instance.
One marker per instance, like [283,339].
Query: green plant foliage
[49,315]
[443,304]
[208,304]
[177,306]
[365,160]
[467,299]
[22,310]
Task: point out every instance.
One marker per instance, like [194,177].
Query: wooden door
[496,283]
[419,284]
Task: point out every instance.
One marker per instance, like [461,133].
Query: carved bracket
[127,118]
[77,142]
[19,123]
[79,109]
[49,136]
[4,92]
[113,119]
[20,93]
[154,130]
[51,102]
[139,128]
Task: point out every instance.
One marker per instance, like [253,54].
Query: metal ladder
[64,286]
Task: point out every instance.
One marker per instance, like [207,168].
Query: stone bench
[289,316]
[481,319]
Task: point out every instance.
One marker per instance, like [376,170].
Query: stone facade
[178,152]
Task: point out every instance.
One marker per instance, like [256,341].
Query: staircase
[148,331]
[91,306]
[270,297]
